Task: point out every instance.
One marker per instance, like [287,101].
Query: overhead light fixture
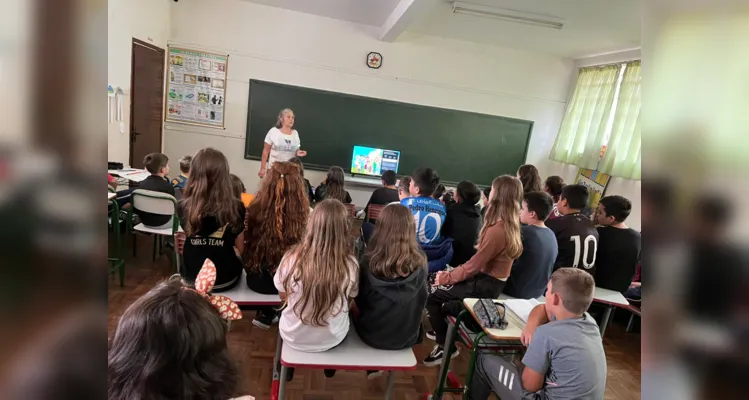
[520,17]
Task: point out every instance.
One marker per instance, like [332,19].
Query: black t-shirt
[217,243]
[462,224]
[577,239]
[618,254]
[531,271]
[154,183]
[382,197]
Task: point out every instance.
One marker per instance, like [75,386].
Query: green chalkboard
[459,145]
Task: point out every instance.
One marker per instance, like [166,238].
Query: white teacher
[281,143]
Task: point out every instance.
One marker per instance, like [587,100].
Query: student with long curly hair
[332,187]
[485,274]
[171,344]
[316,280]
[213,219]
[529,176]
[275,222]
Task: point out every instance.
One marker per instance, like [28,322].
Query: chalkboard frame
[320,167]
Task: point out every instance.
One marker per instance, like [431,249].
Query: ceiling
[366,12]
[592,27]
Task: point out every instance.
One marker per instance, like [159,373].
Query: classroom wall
[300,49]
[147,20]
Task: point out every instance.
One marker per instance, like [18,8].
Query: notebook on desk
[521,308]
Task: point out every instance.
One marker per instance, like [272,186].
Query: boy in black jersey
[576,234]
[619,245]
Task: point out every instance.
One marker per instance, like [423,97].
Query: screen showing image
[372,161]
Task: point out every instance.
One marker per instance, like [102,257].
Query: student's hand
[301,153]
[261,173]
[441,279]
[527,334]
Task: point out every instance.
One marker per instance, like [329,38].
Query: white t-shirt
[315,338]
[283,147]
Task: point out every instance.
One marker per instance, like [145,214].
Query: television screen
[372,161]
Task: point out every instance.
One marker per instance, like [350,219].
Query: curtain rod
[610,64]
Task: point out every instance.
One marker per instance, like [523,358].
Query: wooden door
[147,101]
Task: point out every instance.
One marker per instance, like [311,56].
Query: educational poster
[196,87]
[596,183]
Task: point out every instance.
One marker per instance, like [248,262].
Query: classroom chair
[116,259]
[352,355]
[636,312]
[351,209]
[155,203]
[373,212]
[475,342]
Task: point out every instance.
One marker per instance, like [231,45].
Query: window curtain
[623,156]
[584,125]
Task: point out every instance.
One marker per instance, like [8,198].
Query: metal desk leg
[605,319]
[448,347]
[391,381]
[472,363]
[282,385]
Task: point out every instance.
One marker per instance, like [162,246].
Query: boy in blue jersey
[428,212]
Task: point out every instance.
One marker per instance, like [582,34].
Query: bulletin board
[196,88]
[596,183]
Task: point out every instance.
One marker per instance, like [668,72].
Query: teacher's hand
[261,173]
[301,153]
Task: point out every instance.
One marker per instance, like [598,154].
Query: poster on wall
[196,87]
[595,182]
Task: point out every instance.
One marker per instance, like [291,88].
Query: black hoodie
[463,223]
[390,310]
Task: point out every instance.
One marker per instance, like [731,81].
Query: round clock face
[374,60]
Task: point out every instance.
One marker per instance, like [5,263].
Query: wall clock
[374,60]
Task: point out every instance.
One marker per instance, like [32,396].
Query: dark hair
[439,191]
[617,207]
[709,208]
[237,185]
[207,192]
[469,193]
[171,344]
[298,161]
[554,185]
[487,191]
[184,164]
[155,162]
[388,177]
[334,184]
[576,196]
[405,185]
[426,179]
[540,203]
[528,175]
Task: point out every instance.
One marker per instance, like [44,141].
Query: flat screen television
[373,162]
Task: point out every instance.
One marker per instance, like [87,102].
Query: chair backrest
[373,212]
[351,208]
[154,202]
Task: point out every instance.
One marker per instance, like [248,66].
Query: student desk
[111,195]
[351,354]
[132,174]
[244,297]
[501,340]
[608,298]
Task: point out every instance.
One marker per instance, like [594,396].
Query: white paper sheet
[520,307]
